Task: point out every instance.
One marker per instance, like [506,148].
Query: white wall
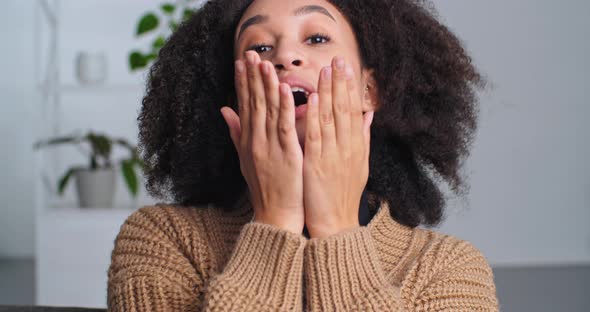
[529,201]
[17,106]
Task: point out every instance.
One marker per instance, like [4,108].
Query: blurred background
[73,72]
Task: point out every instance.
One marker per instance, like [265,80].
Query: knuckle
[313,136]
[270,116]
[257,101]
[258,153]
[271,85]
[285,128]
[342,108]
[327,118]
[241,83]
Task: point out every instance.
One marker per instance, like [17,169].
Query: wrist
[283,223]
[324,231]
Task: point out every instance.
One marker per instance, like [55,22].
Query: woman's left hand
[336,157]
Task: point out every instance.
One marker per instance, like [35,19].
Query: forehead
[279,9]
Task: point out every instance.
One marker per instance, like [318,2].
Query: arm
[151,270]
[344,273]
[264,272]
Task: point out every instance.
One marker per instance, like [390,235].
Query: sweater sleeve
[153,269]
[343,273]
[264,273]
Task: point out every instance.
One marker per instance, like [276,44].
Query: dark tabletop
[45,309]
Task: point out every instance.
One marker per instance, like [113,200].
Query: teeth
[298,89]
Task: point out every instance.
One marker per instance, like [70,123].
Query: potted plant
[96,182]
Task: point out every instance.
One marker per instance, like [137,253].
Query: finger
[313,136]
[367,122]
[341,102]
[257,98]
[326,117]
[241,85]
[286,125]
[233,123]
[356,109]
[271,91]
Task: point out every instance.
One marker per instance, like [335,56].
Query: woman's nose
[286,58]
[280,66]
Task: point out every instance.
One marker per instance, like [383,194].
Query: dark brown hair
[420,134]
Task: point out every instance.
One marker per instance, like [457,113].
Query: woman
[258,123]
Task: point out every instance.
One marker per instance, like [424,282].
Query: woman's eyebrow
[308,9]
[313,9]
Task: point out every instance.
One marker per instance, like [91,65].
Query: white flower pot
[91,68]
[96,188]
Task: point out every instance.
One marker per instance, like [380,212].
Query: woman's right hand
[271,159]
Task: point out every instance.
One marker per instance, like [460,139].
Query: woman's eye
[260,48]
[318,38]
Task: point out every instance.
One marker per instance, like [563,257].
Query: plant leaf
[101,145]
[147,23]
[136,60]
[168,8]
[173,25]
[130,176]
[159,42]
[63,181]
[187,13]
[56,141]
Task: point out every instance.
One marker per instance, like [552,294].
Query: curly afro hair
[420,135]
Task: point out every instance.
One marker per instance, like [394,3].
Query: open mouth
[299,95]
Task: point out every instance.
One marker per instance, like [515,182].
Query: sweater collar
[391,238]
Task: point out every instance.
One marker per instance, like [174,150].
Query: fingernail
[284,88]
[239,66]
[349,72]
[339,63]
[313,99]
[251,58]
[327,73]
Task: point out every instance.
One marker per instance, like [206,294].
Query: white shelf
[72,244]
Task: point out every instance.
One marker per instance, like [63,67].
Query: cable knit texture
[171,258]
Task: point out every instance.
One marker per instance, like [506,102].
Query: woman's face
[300,37]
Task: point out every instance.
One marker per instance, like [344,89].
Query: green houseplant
[160,24]
[100,164]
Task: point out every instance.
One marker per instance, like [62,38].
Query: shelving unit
[72,244]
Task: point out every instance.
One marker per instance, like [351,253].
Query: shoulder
[167,218]
[165,232]
[444,252]
[166,222]
[161,246]
[446,260]
[194,232]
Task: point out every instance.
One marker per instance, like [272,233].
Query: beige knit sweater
[170,258]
